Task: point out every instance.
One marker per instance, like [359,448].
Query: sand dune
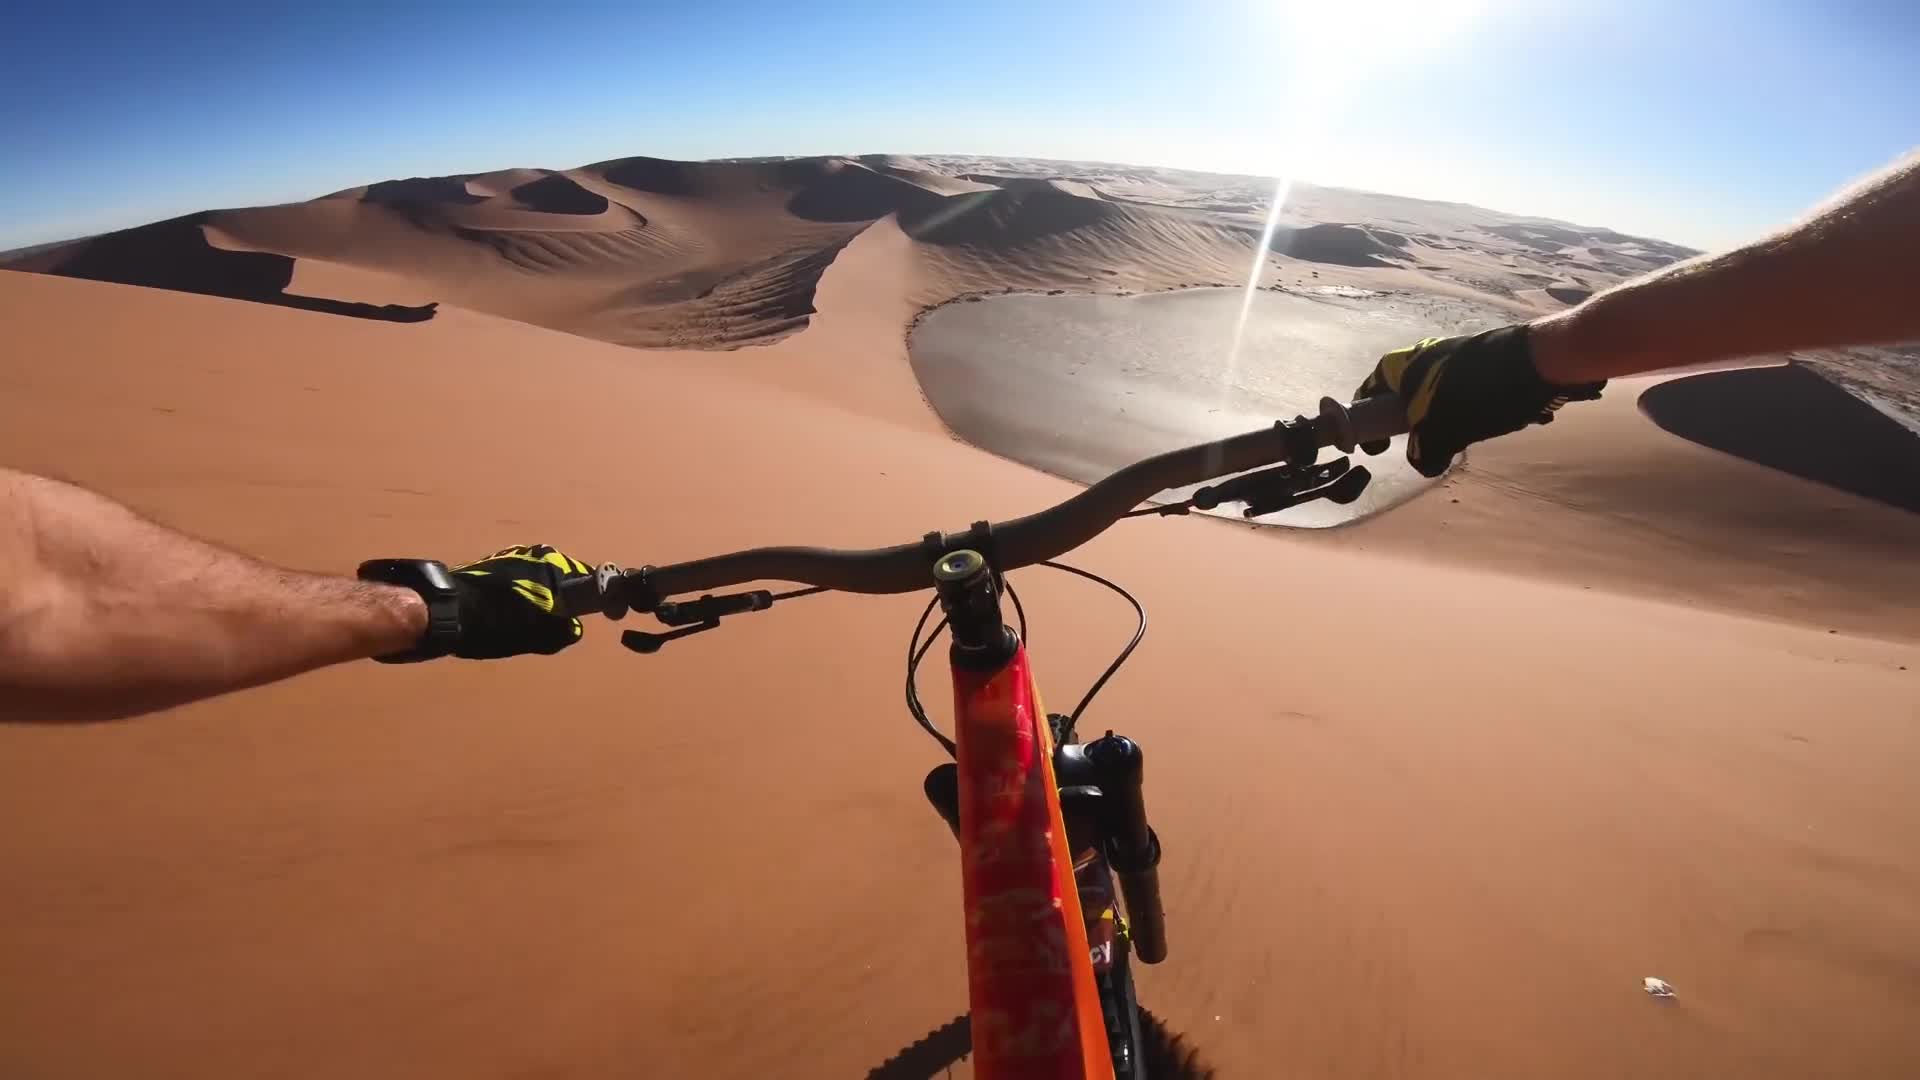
[844,191]
[419,191]
[1790,419]
[177,254]
[1550,297]
[1612,503]
[315,884]
[1886,378]
[648,252]
[1437,790]
[1013,216]
[518,199]
[921,174]
[1343,244]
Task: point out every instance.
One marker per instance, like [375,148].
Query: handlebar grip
[580,596]
[1374,419]
[598,593]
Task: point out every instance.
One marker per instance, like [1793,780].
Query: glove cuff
[429,578]
[1512,347]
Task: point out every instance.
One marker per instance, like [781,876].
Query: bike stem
[969,592]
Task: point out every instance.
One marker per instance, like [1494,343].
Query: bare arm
[1843,276]
[104,614]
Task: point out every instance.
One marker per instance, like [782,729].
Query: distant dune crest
[650,252]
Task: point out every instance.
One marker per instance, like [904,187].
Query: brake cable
[1139,631]
[917,651]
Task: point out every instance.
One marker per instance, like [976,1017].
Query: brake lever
[1343,490]
[642,642]
[1269,485]
[690,617]
[1348,488]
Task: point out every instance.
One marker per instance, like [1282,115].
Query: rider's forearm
[1841,277]
[104,614]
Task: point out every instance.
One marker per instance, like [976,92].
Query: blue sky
[1702,123]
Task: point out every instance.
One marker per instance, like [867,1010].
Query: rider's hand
[507,601]
[1461,390]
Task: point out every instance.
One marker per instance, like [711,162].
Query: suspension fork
[1115,765]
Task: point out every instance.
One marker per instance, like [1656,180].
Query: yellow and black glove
[1461,390]
[507,603]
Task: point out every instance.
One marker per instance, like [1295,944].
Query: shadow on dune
[1341,245]
[852,193]
[422,191]
[657,175]
[1005,218]
[175,255]
[557,194]
[1790,419]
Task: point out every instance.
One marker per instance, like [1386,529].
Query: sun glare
[1327,49]
[1358,35]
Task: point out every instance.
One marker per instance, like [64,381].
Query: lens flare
[1280,188]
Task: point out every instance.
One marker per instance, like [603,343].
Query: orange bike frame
[1036,1011]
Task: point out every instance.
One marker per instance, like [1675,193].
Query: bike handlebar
[1022,542]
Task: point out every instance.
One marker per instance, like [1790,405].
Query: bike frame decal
[1036,1010]
[1095,883]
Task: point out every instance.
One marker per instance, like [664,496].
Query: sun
[1358,34]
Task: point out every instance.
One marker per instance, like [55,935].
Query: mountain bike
[1059,864]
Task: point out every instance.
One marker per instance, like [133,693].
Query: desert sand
[1438,789]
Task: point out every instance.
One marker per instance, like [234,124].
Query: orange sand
[1437,791]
